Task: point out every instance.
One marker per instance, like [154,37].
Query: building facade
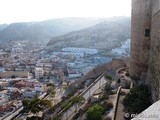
[145,43]
[9,74]
[38,73]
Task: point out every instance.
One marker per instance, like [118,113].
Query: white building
[76,54]
[75,75]
[38,72]
[29,93]
[39,64]
[80,50]
[17,49]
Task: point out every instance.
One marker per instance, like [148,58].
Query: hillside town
[81,68]
[26,69]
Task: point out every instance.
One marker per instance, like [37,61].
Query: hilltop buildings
[77,52]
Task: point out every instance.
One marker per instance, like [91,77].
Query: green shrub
[35,105]
[138,99]
[77,99]
[107,87]
[104,97]
[108,106]
[108,77]
[95,112]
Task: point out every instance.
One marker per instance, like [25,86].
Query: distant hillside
[43,30]
[105,35]
[2,26]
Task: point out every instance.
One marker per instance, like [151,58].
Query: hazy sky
[35,10]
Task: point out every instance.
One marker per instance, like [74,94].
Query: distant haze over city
[37,10]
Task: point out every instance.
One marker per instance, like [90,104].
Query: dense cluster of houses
[14,91]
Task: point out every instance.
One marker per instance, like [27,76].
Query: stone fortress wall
[140,42]
[153,77]
[145,43]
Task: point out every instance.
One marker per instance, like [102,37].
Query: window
[147,32]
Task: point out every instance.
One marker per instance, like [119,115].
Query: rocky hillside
[105,35]
[44,30]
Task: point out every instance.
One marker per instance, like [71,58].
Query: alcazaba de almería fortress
[145,44]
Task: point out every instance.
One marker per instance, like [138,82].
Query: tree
[25,103]
[138,99]
[13,76]
[45,103]
[39,105]
[35,105]
[104,97]
[108,106]
[48,77]
[95,112]
[35,110]
[34,102]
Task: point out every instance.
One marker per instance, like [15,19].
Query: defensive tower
[140,37]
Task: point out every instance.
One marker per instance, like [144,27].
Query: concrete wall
[113,65]
[140,44]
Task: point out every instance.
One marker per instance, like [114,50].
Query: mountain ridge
[43,30]
[105,35]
